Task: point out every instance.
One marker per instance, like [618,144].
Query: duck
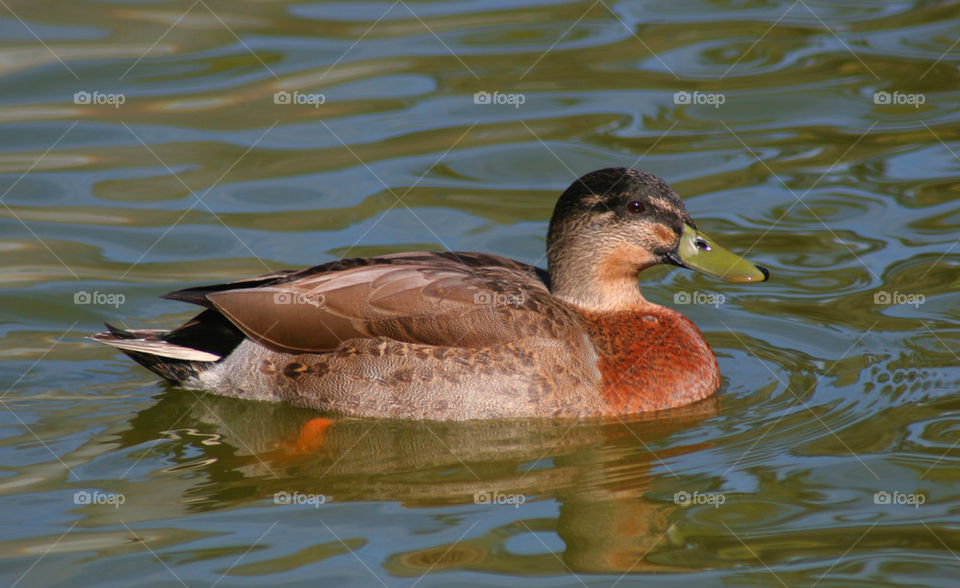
[457,336]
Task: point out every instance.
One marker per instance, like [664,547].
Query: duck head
[613,223]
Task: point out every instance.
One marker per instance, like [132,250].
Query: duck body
[456,336]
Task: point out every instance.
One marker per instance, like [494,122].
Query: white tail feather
[153,347]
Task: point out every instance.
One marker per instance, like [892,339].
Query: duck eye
[635,206]
[702,244]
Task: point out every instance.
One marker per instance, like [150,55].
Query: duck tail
[182,354]
[176,363]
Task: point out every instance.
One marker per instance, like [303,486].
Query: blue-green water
[147,146]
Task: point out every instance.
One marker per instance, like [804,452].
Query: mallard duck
[454,335]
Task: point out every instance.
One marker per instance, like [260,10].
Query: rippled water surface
[144,147]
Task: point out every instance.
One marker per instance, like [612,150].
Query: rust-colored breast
[651,359]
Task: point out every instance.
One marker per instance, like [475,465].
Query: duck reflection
[598,472]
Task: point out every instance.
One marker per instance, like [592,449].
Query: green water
[832,393]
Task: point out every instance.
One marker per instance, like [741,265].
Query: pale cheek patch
[664,235]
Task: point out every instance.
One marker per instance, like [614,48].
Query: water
[829,457]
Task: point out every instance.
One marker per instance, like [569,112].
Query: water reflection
[597,471]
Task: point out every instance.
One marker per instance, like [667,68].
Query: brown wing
[455,299]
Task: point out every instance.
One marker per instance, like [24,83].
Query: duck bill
[698,252]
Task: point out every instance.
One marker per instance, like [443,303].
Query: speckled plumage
[457,336]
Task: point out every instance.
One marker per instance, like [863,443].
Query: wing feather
[464,300]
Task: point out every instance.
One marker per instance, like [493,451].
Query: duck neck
[607,285]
